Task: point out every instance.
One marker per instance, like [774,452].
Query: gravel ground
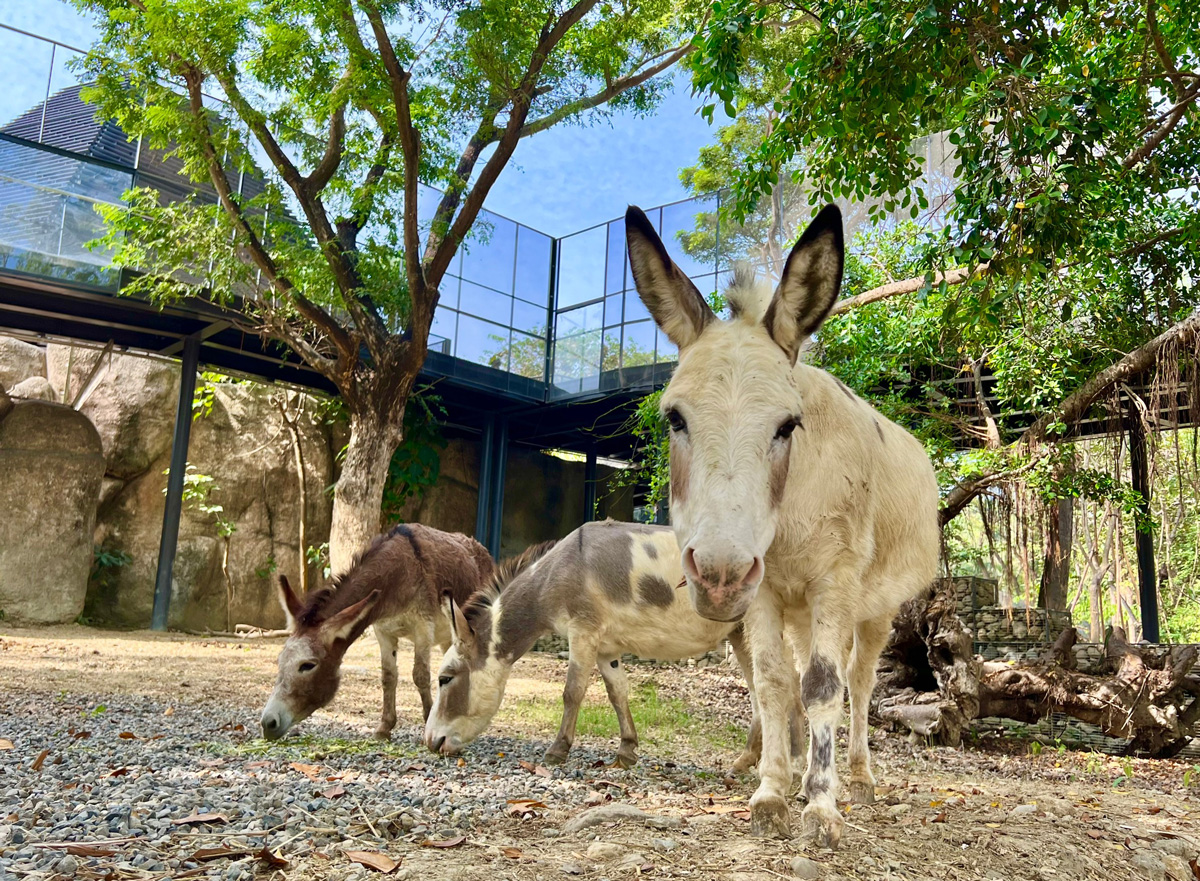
[133,757]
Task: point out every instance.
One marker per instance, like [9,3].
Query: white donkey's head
[733,404]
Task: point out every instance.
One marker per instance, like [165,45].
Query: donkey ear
[349,623]
[677,305]
[460,628]
[292,607]
[810,283]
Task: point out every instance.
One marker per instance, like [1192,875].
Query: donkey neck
[520,615]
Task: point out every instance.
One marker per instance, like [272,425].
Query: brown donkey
[396,584]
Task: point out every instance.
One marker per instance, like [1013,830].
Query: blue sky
[559,181]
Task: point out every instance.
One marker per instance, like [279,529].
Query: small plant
[1095,764]
[318,555]
[1189,775]
[1035,748]
[267,569]
[95,711]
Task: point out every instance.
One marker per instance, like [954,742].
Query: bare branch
[907,286]
[328,166]
[616,87]
[1174,116]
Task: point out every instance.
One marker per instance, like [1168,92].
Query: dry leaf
[940,818]
[273,860]
[645,867]
[524,807]
[1195,867]
[1095,834]
[82,735]
[206,854]
[448,842]
[6,744]
[380,862]
[513,853]
[169,711]
[116,772]
[90,850]
[258,764]
[462,763]
[312,772]
[334,791]
[127,735]
[195,819]
[40,760]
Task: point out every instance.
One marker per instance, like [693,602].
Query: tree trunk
[290,423]
[932,684]
[1056,570]
[358,496]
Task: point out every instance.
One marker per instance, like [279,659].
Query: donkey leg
[869,640]
[579,670]
[422,642]
[616,683]
[772,680]
[797,721]
[387,663]
[753,751]
[822,689]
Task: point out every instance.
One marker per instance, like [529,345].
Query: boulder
[51,465]
[132,404]
[19,361]
[35,388]
[243,446]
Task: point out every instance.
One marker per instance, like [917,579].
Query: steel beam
[174,506]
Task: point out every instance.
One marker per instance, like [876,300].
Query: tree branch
[616,87]
[328,166]
[907,286]
[1174,116]
[258,252]
[441,247]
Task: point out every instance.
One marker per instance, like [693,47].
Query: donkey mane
[317,601]
[506,570]
[746,297]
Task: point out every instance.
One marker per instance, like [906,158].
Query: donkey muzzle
[721,586]
[275,723]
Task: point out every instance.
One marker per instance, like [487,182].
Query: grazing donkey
[396,584]
[796,504]
[610,589]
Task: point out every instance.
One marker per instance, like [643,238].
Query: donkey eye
[785,430]
[308,666]
[677,422]
[443,681]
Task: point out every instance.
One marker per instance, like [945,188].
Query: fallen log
[933,684]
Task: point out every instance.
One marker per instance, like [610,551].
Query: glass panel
[528,356]
[448,291]
[612,310]
[667,353]
[533,265]
[489,252]
[639,344]
[485,303]
[589,359]
[616,257]
[635,309]
[442,331]
[610,355]
[528,317]
[24,70]
[681,219]
[575,321]
[581,267]
[567,365]
[482,342]
[63,76]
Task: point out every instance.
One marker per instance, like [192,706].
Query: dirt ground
[993,810]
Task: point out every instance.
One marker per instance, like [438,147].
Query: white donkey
[796,504]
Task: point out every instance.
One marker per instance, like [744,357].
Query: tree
[350,105]
[1074,128]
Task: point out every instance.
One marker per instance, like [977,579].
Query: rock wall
[242,444]
[51,466]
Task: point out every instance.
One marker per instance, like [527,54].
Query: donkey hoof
[862,792]
[823,826]
[744,763]
[626,760]
[553,758]
[769,818]
[382,733]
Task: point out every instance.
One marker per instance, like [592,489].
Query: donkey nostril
[755,573]
[437,745]
[689,564]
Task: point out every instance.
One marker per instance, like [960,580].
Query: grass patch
[659,721]
[312,747]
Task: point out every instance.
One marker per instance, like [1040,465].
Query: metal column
[589,487]
[1144,535]
[482,510]
[496,495]
[174,506]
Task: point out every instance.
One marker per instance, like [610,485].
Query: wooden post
[1144,535]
